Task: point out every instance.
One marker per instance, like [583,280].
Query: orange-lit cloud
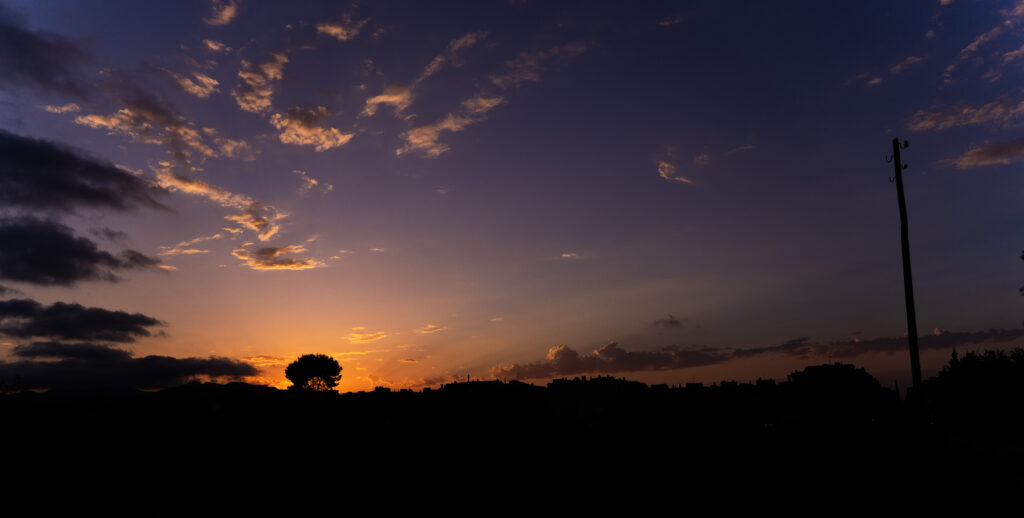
[202,87]
[397,96]
[344,29]
[146,121]
[426,138]
[223,12]
[265,361]
[305,127]
[216,46]
[1000,111]
[991,154]
[430,329]
[360,335]
[186,247]
[309,183]
[269,258]
[668,172]
[253,214]
[66,108]
[232,148]
[257,88]
[903,65]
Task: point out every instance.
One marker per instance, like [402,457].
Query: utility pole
[908,282]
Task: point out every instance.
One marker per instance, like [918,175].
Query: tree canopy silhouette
[317,372]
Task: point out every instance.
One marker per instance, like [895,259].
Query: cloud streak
[187,247]
[427,138]
[667,171]
[270,258]
[562,360]
[992,154]
[526,67]
[1000,111]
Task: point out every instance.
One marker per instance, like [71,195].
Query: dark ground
[830,441]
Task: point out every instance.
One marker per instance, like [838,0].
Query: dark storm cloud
[564,361]
[25,318]
[803,347]
[48,253]
[671,321]
[42,175]
[108,233]
[150,372]
[63,351]
[38,61]
[5,291]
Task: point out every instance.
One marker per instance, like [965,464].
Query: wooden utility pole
[908,282]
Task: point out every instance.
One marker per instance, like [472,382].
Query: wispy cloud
[256,91]
[223,12]
[202,87]
[253,215]
[903,65]
[232,148]
[1000,111]
[992,154]
[146,120]
[270,258]
[430,329]
[427,138]
[1010,17]
[668,172]
[360,335]
[740,149]
[309,183]
[398,97]
[528,65]
[702,159]
[216,46]
[344,29]
[66,108]
[451,54]
[266,361]
[187,247]
[306,127]
[668,22]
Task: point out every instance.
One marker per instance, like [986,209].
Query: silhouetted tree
[313,372]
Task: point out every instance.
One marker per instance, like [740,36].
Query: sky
[666,191]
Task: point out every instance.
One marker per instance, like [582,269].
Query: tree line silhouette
[802,445]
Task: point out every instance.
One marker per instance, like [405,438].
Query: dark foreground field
[830,441]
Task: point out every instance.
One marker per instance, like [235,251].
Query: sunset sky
[663,191]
